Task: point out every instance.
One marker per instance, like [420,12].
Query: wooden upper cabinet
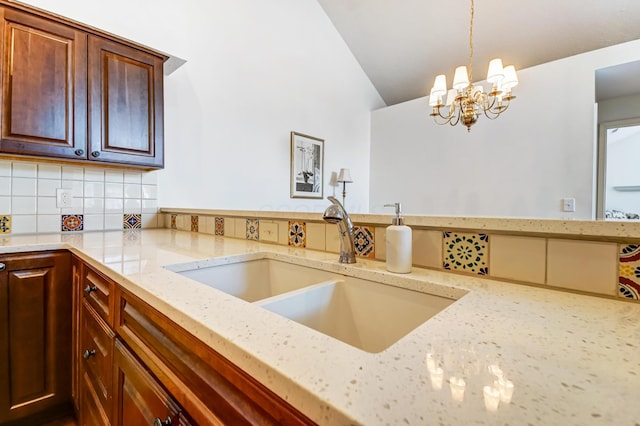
[73,92]
[125,104]
[44,89]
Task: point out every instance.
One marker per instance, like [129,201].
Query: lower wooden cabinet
[141,400]
[135,366]
[35,335]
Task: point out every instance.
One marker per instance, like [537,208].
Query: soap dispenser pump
[398,243]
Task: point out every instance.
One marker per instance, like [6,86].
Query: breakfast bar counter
[567,358]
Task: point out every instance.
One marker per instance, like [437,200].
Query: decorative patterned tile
[297,234]
[5,224]
[364,241]
[132,221]
[194,223]
[466,252]
[253,226]
[219,226]
[72,222]
[174,221]
[629,275]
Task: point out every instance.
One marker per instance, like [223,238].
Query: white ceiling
[403,44]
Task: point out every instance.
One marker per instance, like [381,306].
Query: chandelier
[465,102]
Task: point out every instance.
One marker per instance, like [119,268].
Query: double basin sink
[368,315]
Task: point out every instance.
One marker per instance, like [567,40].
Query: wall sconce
[344,177]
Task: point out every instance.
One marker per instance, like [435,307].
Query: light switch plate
[568,204]
[63,198]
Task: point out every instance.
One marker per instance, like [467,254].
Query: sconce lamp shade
[510,78]
[344,176]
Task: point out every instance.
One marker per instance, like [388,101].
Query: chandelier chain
[471,42]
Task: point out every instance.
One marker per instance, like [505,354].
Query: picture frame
[307,166]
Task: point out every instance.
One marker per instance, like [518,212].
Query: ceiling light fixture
[465,101]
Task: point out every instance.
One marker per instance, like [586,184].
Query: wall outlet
[63,198]
[568,204]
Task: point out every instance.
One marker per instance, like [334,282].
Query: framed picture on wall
[307,165]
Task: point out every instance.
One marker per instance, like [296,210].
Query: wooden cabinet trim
[198,376]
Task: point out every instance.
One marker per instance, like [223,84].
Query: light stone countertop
[573,359]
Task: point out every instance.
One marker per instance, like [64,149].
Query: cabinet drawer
[141,400]
[98,291]
[92,412]
[210,388]
[97,355]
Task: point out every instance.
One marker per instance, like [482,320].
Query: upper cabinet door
[44,96]
[125,104]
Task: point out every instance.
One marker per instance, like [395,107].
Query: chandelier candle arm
[465,102]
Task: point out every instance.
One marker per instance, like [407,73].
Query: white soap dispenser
[398,243]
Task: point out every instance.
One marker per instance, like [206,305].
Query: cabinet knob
[79,152]
[95,154]
[3,266]
[88,353]
[88,289]
[158,422]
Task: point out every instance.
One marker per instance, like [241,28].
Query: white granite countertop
[573,359]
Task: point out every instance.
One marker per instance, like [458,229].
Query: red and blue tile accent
[364,241]
[72,222]
[219,229]
[132,221]
[629,271]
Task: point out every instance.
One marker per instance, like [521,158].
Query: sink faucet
[335,213]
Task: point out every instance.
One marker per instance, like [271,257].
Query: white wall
[256,71]
[521,165]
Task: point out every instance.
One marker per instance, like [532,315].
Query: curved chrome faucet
[335,213]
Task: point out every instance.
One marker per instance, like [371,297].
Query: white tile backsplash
[25,170]
[5,205]
[114,205]
[28,194]
[49,171]
[114,176]
[23,224]
[48,223]
[94,189]
[47,206]
[94,205]
[24,186]
[5,185]
[72,173]
[48,187]
[91,175]
[114,190]
[5,168]
[132,190]
[23,205]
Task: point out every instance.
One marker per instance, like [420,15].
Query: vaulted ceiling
[403,44]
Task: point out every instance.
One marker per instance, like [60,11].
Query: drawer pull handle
[158,422]
[79,152]
[88,289]
[88,353]
[95,154]
[2,267]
